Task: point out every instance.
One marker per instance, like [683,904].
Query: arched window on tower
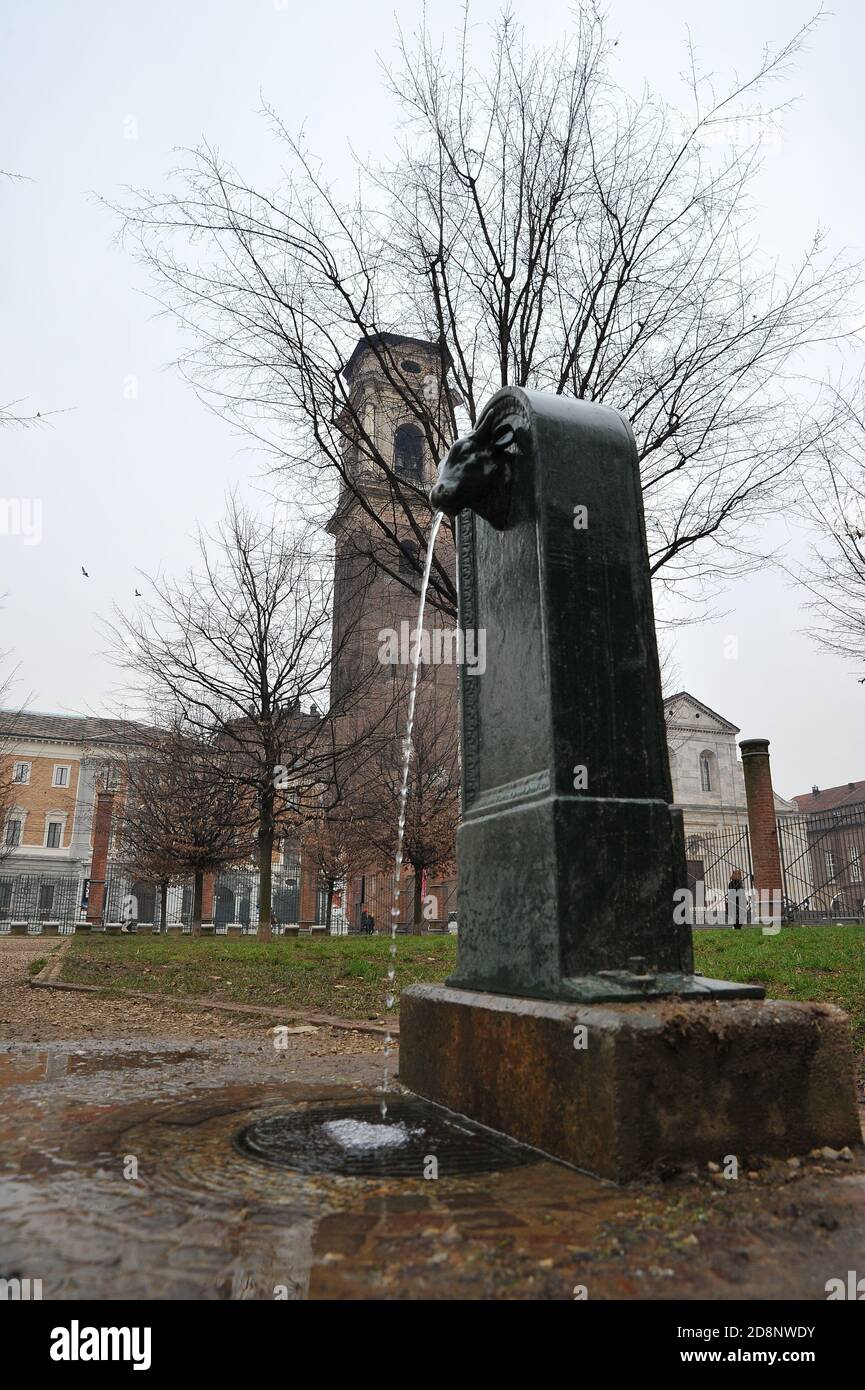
[408,452]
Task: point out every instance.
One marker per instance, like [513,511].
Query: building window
[408,452]
[705,771]
[61,775]
[13,831]
[411,367]
[46,899]
[21,772]
[54,836]
[855,864]
[830,864]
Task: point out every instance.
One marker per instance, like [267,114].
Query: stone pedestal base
[666,1080]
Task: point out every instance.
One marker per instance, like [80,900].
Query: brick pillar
[765,855]
[208,889]
[99,855]
[308,893]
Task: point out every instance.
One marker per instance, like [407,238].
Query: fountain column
[575,1020]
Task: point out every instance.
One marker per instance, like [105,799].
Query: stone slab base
[668,1080]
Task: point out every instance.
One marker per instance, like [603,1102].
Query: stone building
[55,764]
[56,767]
[829,870]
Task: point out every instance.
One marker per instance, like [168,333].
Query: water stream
[390,996]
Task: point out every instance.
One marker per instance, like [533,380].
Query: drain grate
[354,1141]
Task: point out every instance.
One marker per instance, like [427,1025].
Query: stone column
[765,855]
[99,855]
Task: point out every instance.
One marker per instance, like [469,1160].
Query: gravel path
[40,1015]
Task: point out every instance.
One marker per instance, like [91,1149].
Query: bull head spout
[477,472]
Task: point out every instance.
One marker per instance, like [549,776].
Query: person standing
[735,895]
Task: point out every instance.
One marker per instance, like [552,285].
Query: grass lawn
[826,963]
[348,975]
[345,975]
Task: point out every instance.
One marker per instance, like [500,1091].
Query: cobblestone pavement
[120,1178]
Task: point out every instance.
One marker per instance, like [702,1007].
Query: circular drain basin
[355,1141]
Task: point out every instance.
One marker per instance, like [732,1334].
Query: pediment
[685,711]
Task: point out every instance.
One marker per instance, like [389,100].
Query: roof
[388,340]
[65,728]
[685,695]
[831,798]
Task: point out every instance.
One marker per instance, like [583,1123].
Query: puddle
[122,1177]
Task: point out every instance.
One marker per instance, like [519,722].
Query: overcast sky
[97,94]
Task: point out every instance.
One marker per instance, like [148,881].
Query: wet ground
[120,1177]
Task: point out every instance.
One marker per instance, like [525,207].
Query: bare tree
[180,815]
[541,228]
[333,842]
[836,508]
[241,651]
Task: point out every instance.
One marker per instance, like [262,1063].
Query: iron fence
[40,900]
[823,864]
[134,901]
[56,900]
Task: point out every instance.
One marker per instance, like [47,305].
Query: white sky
[123,483]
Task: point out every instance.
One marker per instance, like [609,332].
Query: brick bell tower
[400,408]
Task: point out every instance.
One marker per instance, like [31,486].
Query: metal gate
[823,864]
[712,860]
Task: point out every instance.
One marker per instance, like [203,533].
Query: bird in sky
[138,593]
[84,572]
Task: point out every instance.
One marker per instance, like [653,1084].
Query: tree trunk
[163,904]
[417,913]
[197,898]
[266,836]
